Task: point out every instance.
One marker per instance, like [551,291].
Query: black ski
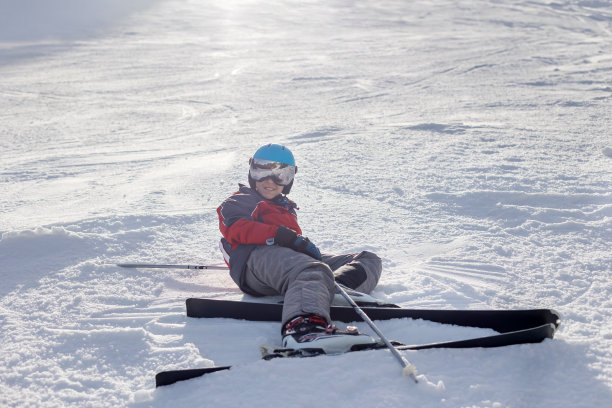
[502,321]
[525,336]
[170,377]
[532,335]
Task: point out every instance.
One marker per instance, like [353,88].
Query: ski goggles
[280,173]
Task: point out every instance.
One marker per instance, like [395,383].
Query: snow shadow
[27,256]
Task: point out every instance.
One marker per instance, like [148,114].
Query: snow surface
[468,143]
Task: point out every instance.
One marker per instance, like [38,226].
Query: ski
[172,376]
[514,326]
[502,321]
[531,335]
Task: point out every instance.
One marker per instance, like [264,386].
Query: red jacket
[247,218]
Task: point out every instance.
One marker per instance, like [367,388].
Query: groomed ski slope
[468,143]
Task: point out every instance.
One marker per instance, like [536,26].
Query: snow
[468,143]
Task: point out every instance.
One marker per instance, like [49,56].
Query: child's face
[268,189]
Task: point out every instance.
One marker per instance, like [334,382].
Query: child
[263,246]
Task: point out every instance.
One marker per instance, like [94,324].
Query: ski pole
[408,370]
[161,266]
[362,298]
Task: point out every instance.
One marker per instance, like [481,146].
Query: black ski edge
[502,321]
[527,336]
[170,377]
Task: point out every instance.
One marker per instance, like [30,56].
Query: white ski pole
[408,369]
[358,296]
[162,266]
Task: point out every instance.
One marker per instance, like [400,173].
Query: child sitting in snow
[267,255]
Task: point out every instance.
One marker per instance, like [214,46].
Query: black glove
[289,238]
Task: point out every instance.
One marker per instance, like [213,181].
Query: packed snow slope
[468,143]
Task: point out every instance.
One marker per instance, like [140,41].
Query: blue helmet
[276,153]
[276,161]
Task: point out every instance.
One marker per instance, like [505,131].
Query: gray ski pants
[306,284]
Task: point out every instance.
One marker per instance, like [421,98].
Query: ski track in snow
[468,143]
